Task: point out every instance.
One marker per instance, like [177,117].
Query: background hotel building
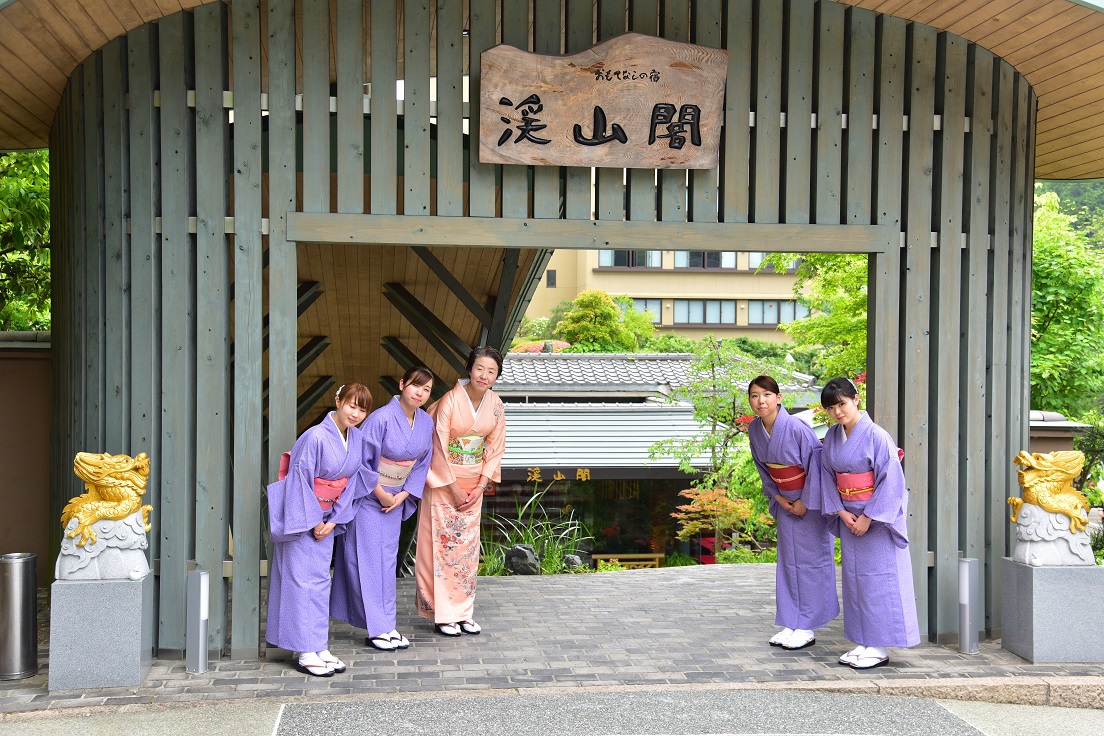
[693,293]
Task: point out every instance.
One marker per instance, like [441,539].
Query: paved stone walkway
[704,626]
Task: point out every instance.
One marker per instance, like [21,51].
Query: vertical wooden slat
[1028,218]
[77,269]
[737,133]
[976,288]
[117,245]
[93,261]
[450,106]
[515,178]
[860,112]
[672,182]
[350,104]
[945,492]
[610,181]
[885,282]
[316,105]
[145,273]
[546,40]
[178,283]
[481,177]
[213,397]
[578,184]
[245,625]
[831,28]
[59,304]
[1018,322]
[799,108]
[998,463]
[917,301]
[768,109]
[704,194]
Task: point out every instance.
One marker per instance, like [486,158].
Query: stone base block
[97,633]
[1044,611]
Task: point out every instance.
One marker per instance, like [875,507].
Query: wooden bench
[633,561]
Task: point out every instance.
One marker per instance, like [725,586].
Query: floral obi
[855,486]
[326,491]
[466,450]
[787,477]
[393,473]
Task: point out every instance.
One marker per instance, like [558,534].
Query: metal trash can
[18,616]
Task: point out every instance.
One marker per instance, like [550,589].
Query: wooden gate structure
[255,201]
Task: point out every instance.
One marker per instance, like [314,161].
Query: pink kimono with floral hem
[469,445]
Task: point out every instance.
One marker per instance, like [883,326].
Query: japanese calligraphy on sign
[634,101]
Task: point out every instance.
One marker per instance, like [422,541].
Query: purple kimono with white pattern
[366,556]
[879,603]
[299,574]
[805,575]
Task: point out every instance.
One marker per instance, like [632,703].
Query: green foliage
[780,352]
[551,535]
[25,241]
[599,323]
[1067,313]
[833,286]
[1096,542]
[610,566]
[637,324]
[670,342]
[742,555]
[1083,200]
[534,329]
[555,316]
[1090,442]
[678,559]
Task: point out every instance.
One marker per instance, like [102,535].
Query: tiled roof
[567,372]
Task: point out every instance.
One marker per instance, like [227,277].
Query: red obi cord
[326,491]
[787,477]
[855,486]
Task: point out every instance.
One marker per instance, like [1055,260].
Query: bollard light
[968,609]
[195,651]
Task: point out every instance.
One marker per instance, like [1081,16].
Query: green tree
[833,286]
[1067,313]
[25,241]
[639,325]
[670,342]
[599,323]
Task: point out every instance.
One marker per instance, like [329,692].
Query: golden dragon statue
[115,485]
[1047,480]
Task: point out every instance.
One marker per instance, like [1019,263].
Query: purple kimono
[879,604]
[805,576]
[366,557]
[299,575]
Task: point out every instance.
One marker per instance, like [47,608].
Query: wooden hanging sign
[634,101]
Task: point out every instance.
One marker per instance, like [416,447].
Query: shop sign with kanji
[634,101]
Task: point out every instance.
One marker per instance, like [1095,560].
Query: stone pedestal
[97,633]
[1048,612]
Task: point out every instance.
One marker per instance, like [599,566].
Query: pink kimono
[469,444]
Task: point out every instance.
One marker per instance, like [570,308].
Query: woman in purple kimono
[398,446]
[868,508]
[787,454]
[311,502]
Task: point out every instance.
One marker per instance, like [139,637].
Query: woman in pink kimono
[471,437]
[312,501]
[868,508]
[787,453]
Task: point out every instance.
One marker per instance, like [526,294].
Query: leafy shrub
[678,559]
[610,566]
[741,555]
[550,537]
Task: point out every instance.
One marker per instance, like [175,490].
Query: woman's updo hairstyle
[485,351]
[837,390]
[357,393]
[766,383]
[417,375]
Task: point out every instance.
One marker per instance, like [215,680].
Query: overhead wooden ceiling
[1057,44]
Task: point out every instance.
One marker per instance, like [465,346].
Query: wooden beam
[406,359]
[497,329]
[417,314]
[453,284]
[310,397]
[491,232]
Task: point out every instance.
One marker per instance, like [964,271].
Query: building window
[705,311]
[775,311]
[756,259]
[630,259]
[654,306]
[550,278]
[705,259]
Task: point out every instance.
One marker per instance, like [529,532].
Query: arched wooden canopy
[1057,45]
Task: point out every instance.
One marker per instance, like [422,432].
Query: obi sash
[326,491]
[787,477]
[393,473]
[466,450]
[855,486]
